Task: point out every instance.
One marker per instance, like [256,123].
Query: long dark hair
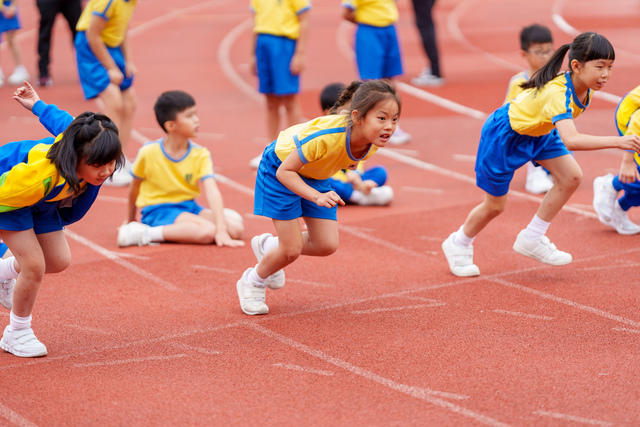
[363,96]
[584,48]
[92,138]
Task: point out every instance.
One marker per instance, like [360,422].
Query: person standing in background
[430,76]
[9,25]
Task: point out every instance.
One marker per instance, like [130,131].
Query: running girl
[538,125]
[293,182]
[46,185]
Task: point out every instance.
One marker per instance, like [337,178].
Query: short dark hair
[330,95]
[534,34]
[169,104]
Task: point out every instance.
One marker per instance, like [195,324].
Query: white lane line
[224,60]
[423,299]
[201,350]
[607,267]
[303,369]
[14,417]
[570,303]
[573,418]
[633,331]
[355,232]
[516,313]
[406,307]
[440,101]
[117,258]
[464,158]
[219,270]
[134,360]
[90,329]
[113,199]
[432,396]
[310,283]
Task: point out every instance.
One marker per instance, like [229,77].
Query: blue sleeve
[80,206]
[52,118]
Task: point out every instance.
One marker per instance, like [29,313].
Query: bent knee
[327,249]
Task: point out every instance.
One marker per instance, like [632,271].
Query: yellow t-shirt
[278,17]
[378,13]
[514,88]
[323,144]
[117,13]
[534,112]
[628,115]
[168,180]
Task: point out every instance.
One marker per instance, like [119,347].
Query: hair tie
[89,119]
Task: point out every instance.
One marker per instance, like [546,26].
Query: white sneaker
[542,250]
[19,75]
[378,196]
[22,343]
[120,178]
[538,180]
[619,220]
[251,297]
[460,258]
[276,280]
[6,293]
[604,197]
[399,137]
[425,78]
[132,234]
[255,162]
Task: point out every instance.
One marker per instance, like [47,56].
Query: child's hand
[630,142]
[297,64]
[628,169]
[9,11]
[329,199]
[26,96]
[115,76]
[130,69]
[223,239]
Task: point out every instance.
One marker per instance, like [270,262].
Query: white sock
[462,239]
[270,243]
[8,269]
[156,234]
[17,322]
[256,279]
[536,228]
[356,196]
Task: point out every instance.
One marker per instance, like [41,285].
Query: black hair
[92,138]
[584,48]
[169,104]
[330,94]
[363,96]
[534,34]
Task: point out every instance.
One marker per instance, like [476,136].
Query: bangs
[599,48]
[104,149]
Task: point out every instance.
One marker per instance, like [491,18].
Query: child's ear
[575,66]
[524,53]
[169,125]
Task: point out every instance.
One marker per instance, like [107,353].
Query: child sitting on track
[47,184]
[292,183]
[360,187]
[167,175]
[538,125]
[610,211]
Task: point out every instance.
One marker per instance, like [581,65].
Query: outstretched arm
[576,141]
[52,118]
[214,199]
[26,96]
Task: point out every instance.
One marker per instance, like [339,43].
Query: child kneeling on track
[292,183]
[611,210]
[167,175]
[47,184]
[538,125]
[364,187]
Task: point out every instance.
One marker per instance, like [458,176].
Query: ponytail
[345,96]
[549,71]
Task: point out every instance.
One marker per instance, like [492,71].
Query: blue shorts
[166,213]
[274,200]
[378,52]
[9,24]
[377,174]
[3,249]
[502,151]
[273,59]
[41,217]
[93,76]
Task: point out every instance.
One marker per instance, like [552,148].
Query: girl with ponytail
[45,185]
[538,126]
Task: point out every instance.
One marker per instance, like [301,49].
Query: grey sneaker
[6,293]
[22,343]
[251,297]
[542,250]
[276,280]
[133,234]
[460,258]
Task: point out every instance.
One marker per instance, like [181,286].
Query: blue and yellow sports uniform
[514,88]
[33,194]
[324,147]
[277,28]
[117,14]
[628,123]
[169,186]
[524,130]
[377,47]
